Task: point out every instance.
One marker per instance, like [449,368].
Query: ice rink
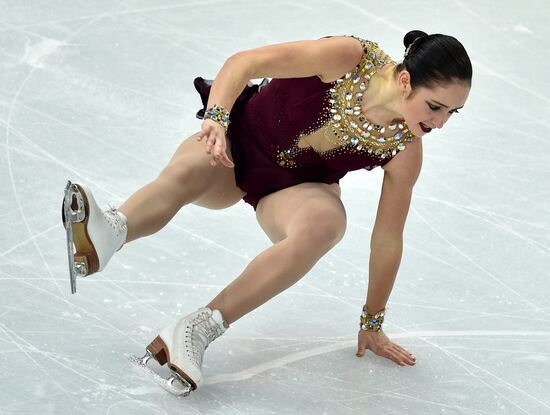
[101,92]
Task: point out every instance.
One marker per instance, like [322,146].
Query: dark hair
[434,59]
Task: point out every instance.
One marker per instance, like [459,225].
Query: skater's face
[426,108]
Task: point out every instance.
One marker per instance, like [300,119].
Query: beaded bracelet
[218,114]
[371,321]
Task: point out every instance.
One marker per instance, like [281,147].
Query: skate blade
[174,384]
[78,264]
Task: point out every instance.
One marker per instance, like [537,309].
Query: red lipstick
[424,128]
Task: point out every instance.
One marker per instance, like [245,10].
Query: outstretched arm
[324,58]
[386,245]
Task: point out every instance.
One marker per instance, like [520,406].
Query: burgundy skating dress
[268,121]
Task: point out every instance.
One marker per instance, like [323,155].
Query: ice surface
[101,92]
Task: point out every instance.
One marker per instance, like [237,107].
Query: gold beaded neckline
[348,127]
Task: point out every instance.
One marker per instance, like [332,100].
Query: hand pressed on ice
[216,144]
[381,345]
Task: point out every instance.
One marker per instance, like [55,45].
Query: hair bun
[412,36]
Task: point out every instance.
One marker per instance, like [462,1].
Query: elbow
[394,247]
[387,243]
[241,62]
[391,251]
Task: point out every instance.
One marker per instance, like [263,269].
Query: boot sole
[84,248]
[160,352]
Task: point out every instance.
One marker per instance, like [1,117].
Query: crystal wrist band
[371,321]
[218,114]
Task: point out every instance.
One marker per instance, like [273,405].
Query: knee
[329,229]
[322,229]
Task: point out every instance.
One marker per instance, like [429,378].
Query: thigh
[306,210]
[215,185]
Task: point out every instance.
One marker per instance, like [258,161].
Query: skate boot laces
[114,219]
[201,331]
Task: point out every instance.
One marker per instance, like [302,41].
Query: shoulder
[357,50]
[299,59]
[406,165]
[350,52]
[373,52]
[358,44]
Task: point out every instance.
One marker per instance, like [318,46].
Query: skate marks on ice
[48,48]
[352,343]
[35,52]
[277,363]
[59,41]
[470,368]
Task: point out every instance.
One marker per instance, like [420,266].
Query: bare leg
[188,178]
[306,221]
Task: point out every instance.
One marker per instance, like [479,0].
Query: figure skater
[333,105]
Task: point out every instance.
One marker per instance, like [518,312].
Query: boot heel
[159,350]
[84,246]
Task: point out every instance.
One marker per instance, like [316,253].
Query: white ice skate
[93,234]
[182,346]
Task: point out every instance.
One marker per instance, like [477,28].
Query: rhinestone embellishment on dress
[347,126]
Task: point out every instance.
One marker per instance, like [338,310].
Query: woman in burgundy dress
[334,105]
